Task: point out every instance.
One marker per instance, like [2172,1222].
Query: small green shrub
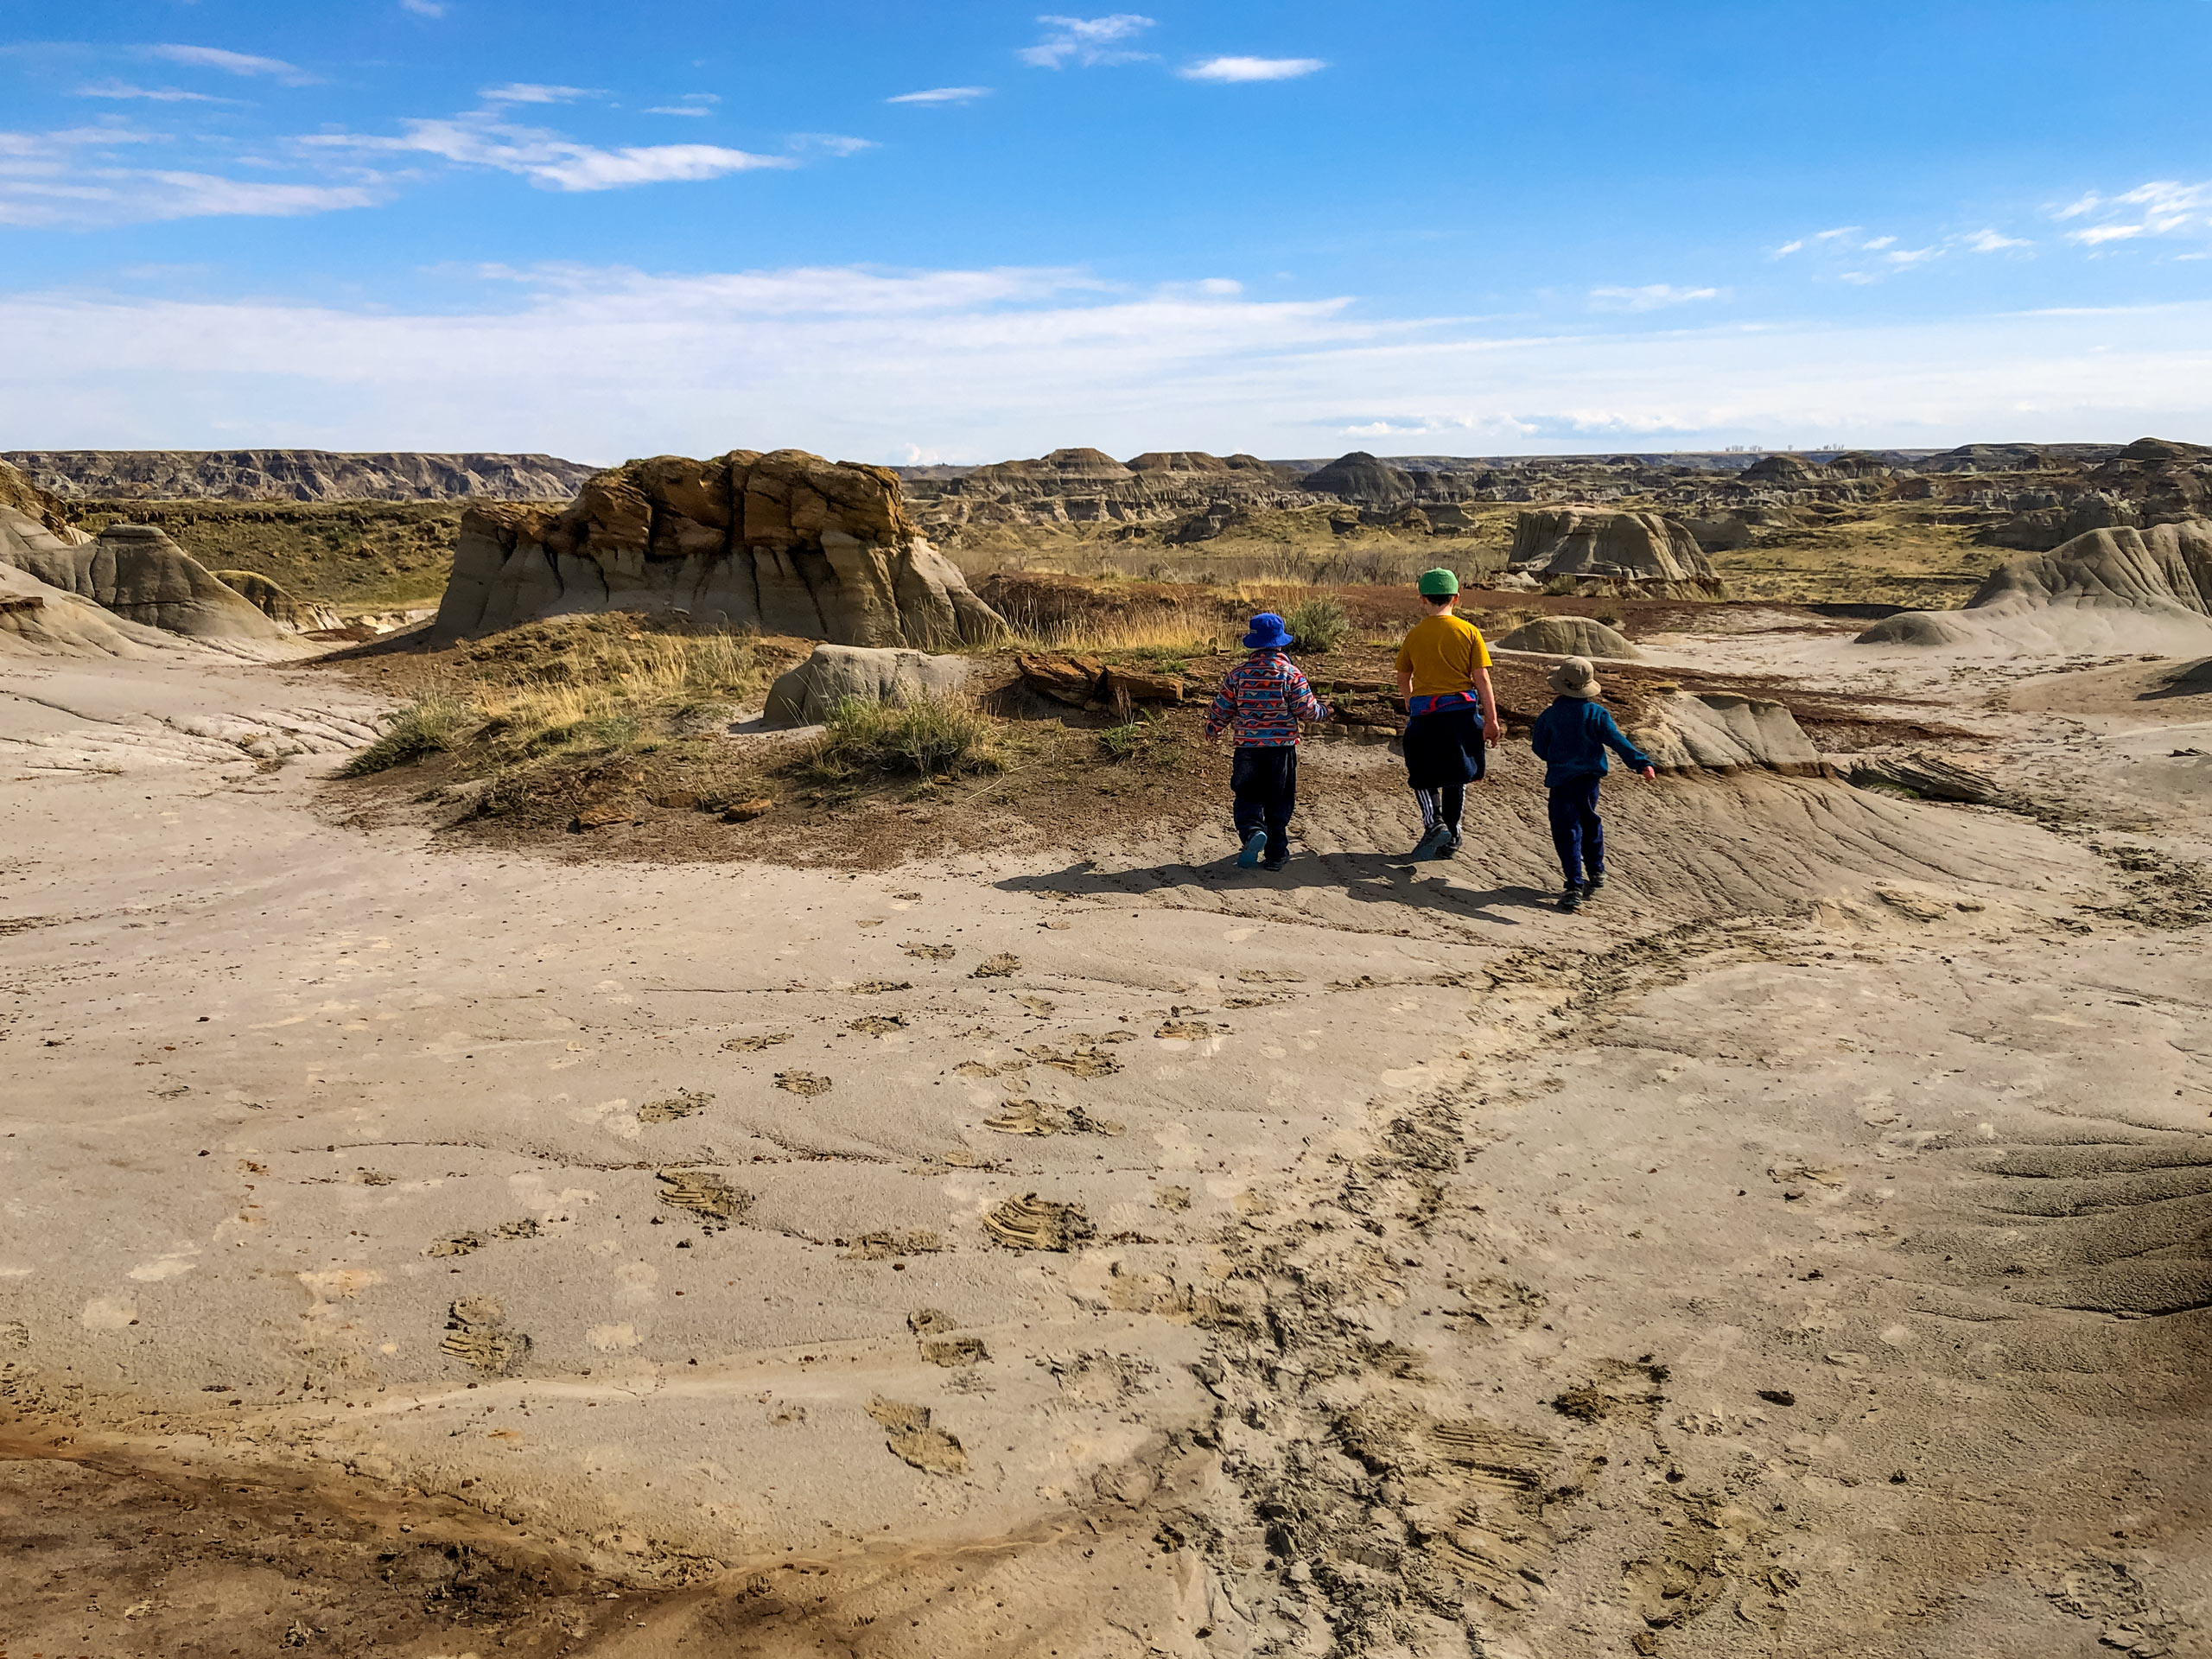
[924,738]
[1320,624]
[433,723]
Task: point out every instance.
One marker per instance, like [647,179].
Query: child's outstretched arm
[1617,740]
[1303,703]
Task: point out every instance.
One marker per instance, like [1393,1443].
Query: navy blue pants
[1577,832]
[1266,782]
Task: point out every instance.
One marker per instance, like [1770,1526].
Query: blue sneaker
[1254,845]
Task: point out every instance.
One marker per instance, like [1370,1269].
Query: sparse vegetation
[927,737]
[432,723]
[1320,624]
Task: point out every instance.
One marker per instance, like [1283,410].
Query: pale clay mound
[786,541]
[1571,636]
[2107,591]
[1762,1261]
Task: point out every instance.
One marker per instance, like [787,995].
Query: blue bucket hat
[1268,633]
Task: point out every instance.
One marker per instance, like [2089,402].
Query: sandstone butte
[786,541]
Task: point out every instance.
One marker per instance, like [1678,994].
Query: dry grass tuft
[927,737]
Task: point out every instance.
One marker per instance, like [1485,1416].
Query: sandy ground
[1801,1250]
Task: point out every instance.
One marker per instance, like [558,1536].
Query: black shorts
[1444,747]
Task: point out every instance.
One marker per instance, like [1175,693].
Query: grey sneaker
[1596,880]
[1570,897]
[1255,844]
[1449,847]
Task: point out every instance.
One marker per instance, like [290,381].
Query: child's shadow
[1363,878]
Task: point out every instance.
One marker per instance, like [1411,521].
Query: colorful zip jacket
[1264,698]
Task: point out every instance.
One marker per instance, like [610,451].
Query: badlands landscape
[673,1059]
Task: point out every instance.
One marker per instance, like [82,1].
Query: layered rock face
[278,603]
[1090,486]
[297,475]
[786,543]
[1635,547]
[139,574]
[2118,589]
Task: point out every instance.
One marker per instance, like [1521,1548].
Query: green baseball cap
[1438,583]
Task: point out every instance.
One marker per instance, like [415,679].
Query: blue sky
[964,232]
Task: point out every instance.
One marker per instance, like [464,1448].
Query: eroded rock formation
[1571,636]
[139,574]
[297,475]
[2119,589]
[1647,551]
[786,541]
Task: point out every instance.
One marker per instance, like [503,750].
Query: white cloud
[1788,248]
[1877,244]
[1086,40]
[687,104]
[1992,242]
[1841,230]
[1651,297]
[2160,209]
[1903,257]
[1238,69]
[837,143]
[45,184]
[942,95]
[231,63]
[2097,234]
[984,365]
[525,91]
[547,159]
[423,8]
[123,89]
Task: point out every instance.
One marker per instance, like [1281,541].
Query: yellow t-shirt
[1443,653]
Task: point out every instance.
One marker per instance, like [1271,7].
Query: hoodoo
[786,541]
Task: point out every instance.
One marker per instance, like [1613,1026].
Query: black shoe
[1276,862]
[1570,899]
[1430,843]
[1597,880]
[1449,846]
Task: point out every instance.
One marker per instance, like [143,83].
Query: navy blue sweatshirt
[1571,736]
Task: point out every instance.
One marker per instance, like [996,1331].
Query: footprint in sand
[878,1025]
[951,1352]
[683,1104]
[928,952]
[754,1045]
[1005,965]
[911,1438]
[807,1083]
[477,1333]
[1030,1222]
[1084,1062]
[703,1193]
[881,987]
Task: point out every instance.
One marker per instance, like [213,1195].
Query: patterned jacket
[1264,698]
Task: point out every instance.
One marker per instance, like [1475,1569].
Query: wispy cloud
[1086,40]
[123,89]
[547,159]
[1652,296]
[526,92]
[687,104]
[231,63]
[1235,69]
[836,143]
[86,176]
[942,95]
[423,8]
[2162,207]
[1992,242]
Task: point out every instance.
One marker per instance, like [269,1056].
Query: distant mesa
[1361,477]
[1792,471]
[296,475]
[1857,463]
[786,541]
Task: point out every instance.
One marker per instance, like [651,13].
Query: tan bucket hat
[1575,677]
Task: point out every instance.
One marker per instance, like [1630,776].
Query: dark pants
[1576,830]
[1266,782]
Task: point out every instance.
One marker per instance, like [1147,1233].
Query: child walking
[1264,697]
[1571,738]
[1451,712]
